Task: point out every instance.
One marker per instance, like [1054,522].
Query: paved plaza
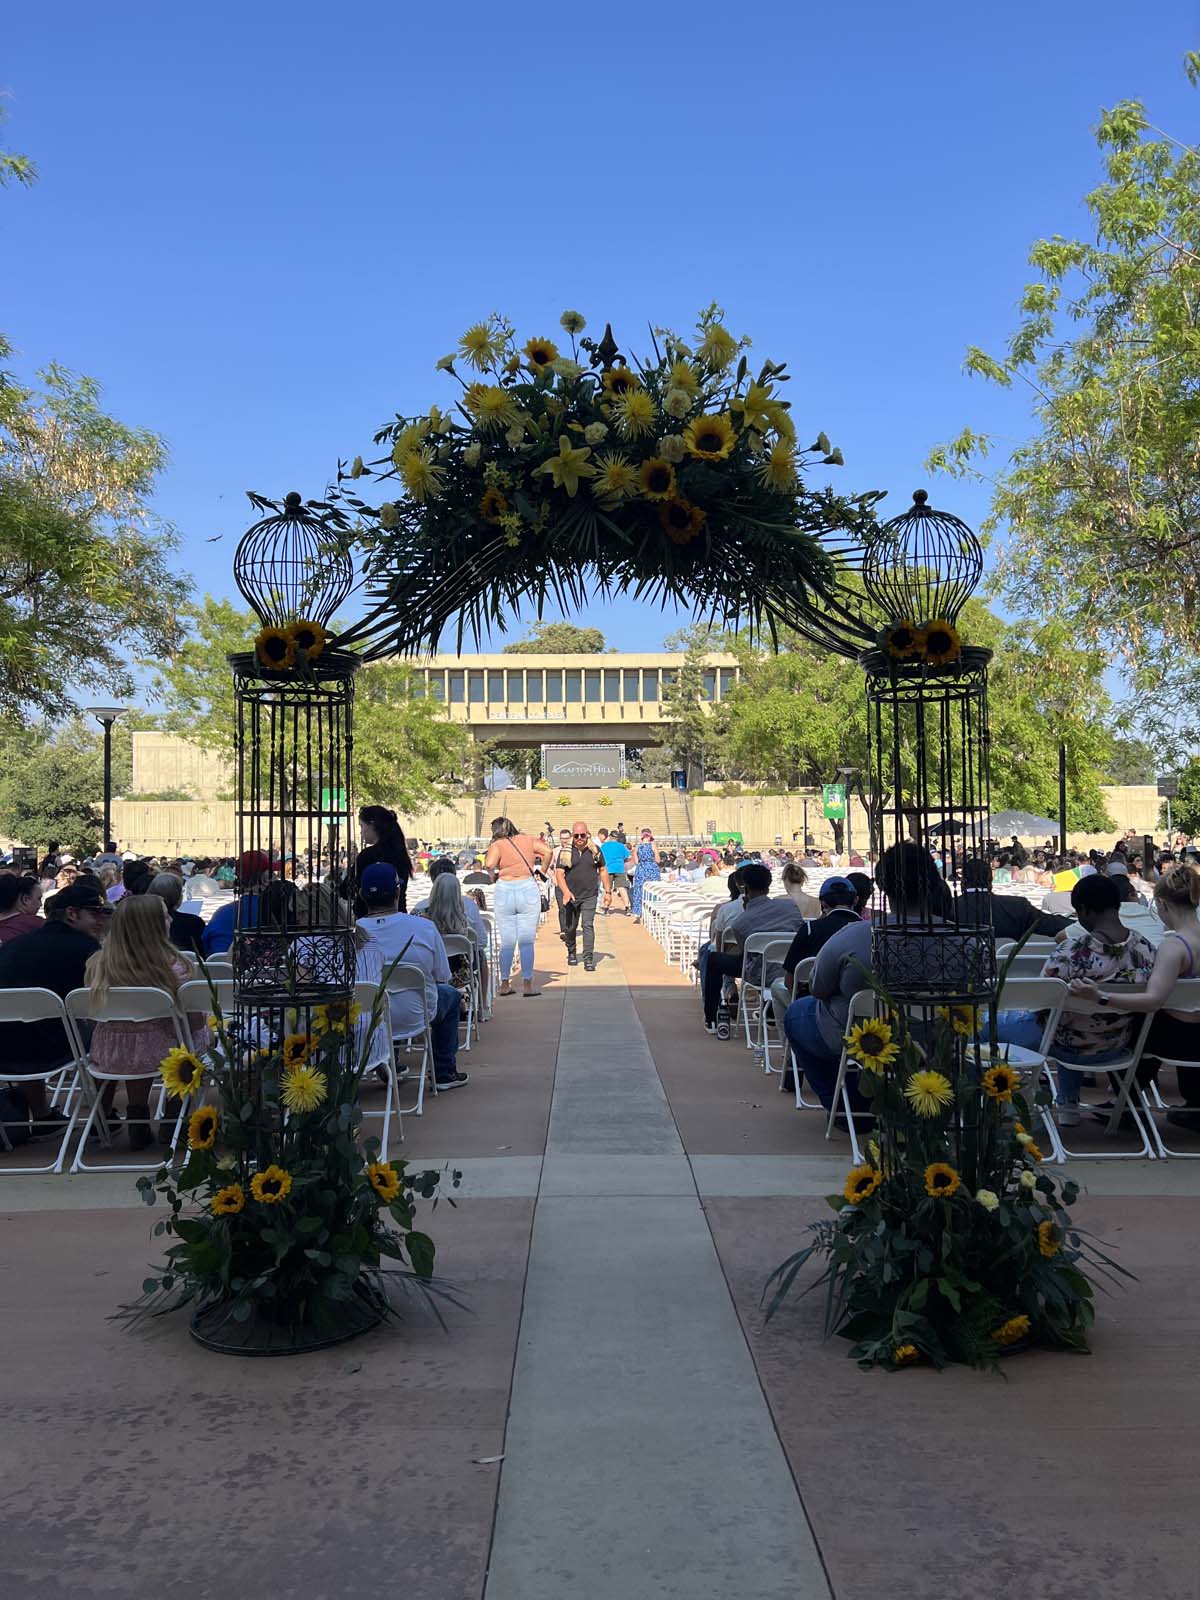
[610,1419]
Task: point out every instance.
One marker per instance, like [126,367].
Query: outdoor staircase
[666,812]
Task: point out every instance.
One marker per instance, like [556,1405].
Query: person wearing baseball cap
[840,905]
[397,936]
[253,870]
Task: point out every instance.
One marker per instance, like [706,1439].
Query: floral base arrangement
[285,1231]
[950,1243]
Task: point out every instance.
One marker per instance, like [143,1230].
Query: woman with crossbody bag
[517,898]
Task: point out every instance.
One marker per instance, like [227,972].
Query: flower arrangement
[542,783]
[674,475]
[605,800]
[950,1242]
[625,783]
[927,644]
[279,1219]
[564,800]
[285,649]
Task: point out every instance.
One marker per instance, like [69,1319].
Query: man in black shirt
[578,875]
[52,958]
[839,907]
[1012,916]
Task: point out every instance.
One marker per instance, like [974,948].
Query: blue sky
[260,225]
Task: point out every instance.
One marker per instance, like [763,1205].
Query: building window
[728,679]
[612,688]
[533,688]
[574,685]
[516,688]
[554,688]
[496,688]
[710,683]
[457,688]
[650,690]
[437,685]
[475,689]
[591,689]
[631,686]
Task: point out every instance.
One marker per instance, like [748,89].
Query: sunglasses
[579,836]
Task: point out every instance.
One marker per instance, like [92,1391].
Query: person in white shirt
[416,942]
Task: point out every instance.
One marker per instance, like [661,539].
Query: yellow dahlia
[684,376]
[619,381]
[384,1179]
[717,346]
[656,480]
[999,1083]
[942,643]
[1012,1330]
[493,507]
[709,438]
[905,1354]
[778,471]
[480,345]
[271,1185]
[928,1093]
[309,638]
[202,1128]
[871,1044]
[296,1049]
[941,1181]
[304,1089]
[275,649]
[540,353]
[182,1072]
[616,476]
[491,406]
[861,1183]
[681,521]
[635,414]
[229,1201]
[421,475]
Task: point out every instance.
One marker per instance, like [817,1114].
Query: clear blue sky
[260,225]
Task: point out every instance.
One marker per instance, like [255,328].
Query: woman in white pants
[516,898]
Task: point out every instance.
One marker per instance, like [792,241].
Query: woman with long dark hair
[383,840]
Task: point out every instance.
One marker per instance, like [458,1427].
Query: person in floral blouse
[1105,952]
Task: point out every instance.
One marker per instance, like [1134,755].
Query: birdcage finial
[293,565]
[922,565]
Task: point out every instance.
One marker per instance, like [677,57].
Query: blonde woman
[794,879]
[138,953]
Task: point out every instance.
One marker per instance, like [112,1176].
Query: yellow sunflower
[656,480]
[309,638]
[202,1128]
[1049,1241]
[942,643]
[540,353]
[1012,1330]
[903,640]
[681,521]
[635,414]
[709,438]
[296,1049]
[904,1355]
[336,1017]
[1000,1083]
[304,1089]
[861,1183]
[275,649]
[229,1201]
[963,1019]
[619,381]
[871,1044]
[385,1180]
[271,1185]
[928,1093]
[181,1071]
[941,1181]
[491,406]
[480,346]
[493,507]
[616,476]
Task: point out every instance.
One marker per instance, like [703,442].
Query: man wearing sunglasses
[578,876]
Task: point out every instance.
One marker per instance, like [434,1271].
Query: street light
[846,773]
[107,715]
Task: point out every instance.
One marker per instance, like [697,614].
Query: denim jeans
[816,1061]
[445,1033]
[517,907]
[1023,1028]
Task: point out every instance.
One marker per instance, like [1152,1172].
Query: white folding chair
[122,1005]
[773,953]
[408,979]
[1185,996]
[43,1005]
[782,992]
[1122,1074]
[751,995]
[862,1005]
[1019,993]
[382,1055]
[462,945]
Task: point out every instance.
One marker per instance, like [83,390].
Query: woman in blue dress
[647,871]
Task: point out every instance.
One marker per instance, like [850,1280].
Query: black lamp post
[846,773]
[107,715]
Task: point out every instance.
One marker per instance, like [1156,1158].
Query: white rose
[516,434]
[987,1199]
[389,516]
[671,448]
[595,432]
[471,455]
[1028,1180]
[678,403]
[1023,1139]
[567,369]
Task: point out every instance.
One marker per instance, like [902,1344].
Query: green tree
[1131,761]
[1185,806]
[690,734]
[1097,515]
[51,786]
[557,639]
[84,575]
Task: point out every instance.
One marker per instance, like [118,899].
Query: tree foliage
[51,786]
[1185,805]
[557,639]
[1097,515]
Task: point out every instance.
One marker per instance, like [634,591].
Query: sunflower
[778,471]
[928,1093]
[1012,1330]
[861,1183]
[870,1043]
[540,353]
[656,480]
[202,1128]
[229,1201]
[275,649]
[942,643]
[493,507]
[271,1185]
[963,1019]
[635,414]
[421,475]
[304,1089]
[619,381]
[309,638]
[941,1181]
[385,1180]
[616,477]
[336,1017]
[490,405]
[296,1049]
[1000,1082]
[480,346]
[903,640]
[181,1071]
[709,438]
[904,1355]
[681,520]
[1031,1150]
